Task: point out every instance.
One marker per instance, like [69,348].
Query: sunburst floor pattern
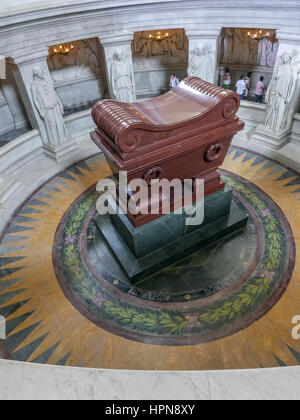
[44,326]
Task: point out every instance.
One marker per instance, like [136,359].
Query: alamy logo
[2,328]
[2,68]
[160,196]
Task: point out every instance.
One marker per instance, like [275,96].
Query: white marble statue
[280,95]
[121,79]
[296,67]
[201,63]
[49,106]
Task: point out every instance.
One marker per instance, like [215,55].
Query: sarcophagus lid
[195,109]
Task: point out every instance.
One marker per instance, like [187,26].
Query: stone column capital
[288,37]
[116,39]
[213,33]
[29,59]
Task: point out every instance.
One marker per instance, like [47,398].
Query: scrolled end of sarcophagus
[114,122]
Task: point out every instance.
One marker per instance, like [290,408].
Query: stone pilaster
[14,100]
[203,54]
[43,106]
[119,67]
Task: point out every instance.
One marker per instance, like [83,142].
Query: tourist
[241,87]
[226,79]
[248,84]
[259,93]
[174,81]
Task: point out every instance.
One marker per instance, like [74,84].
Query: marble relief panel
[78,74]
[238,48]
[170,48]
[155,59]
[83,60]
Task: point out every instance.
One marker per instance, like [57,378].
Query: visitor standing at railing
[227,79]
[241,87]
[259,92]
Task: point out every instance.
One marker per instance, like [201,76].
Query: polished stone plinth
[167,229]
[164,242]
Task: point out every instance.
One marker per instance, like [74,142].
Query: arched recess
[243,52]
[77,70]
[156,55]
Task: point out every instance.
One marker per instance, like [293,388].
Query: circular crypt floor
[66,300]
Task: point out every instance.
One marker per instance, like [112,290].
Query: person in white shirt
[241,87]
[174,81]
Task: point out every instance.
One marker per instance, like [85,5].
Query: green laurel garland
[239,304]
[70,253]
[151,321]
[158,322]
[256,290]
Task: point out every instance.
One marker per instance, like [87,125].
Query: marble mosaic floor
[229,306]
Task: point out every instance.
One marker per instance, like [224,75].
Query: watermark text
[156,197]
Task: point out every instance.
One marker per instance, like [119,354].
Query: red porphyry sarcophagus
[185,134]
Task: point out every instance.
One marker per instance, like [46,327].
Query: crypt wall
[80,78]
[111,39]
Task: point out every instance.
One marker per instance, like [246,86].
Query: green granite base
[148,238]
[139,268]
